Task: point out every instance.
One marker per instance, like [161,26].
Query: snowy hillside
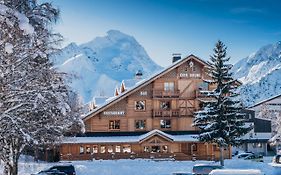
[260,73]
[101,64]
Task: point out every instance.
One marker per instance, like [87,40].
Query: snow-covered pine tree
[33,97]
[220,119]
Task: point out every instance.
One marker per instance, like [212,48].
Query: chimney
[176,57]
[138,75]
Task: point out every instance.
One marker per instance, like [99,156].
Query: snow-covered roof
[264,101]
[99,100]
[141,84]
[131,139]
[155,132]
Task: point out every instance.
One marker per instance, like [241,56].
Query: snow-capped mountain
[101,64]
[260,74]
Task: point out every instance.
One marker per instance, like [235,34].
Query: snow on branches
[220,119]
[34,100]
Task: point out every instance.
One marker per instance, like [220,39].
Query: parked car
[59,170]
[258,158]
[243,155]
[204,169]
[277,159]
[236,172]
[51,172]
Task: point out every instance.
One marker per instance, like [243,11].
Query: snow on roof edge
[129,139]
[263,101]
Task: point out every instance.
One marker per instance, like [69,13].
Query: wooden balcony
[166,94]
[166,113]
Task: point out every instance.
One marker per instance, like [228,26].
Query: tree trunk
[11,169]
[221,156]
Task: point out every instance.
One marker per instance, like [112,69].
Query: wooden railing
[166,113]
[166,94]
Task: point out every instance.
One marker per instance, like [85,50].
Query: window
[155,149]
[165,105]
[194,147]
[193,68]
[95,148]
[126,148]
[118,149]
[140,105]
[165,148]
[140,124]
[169,86]
[88,149]
[81,150]
[143,93]
[102,149]
[165,123]
[110,149]
[146,149]
[257,145]
[114,124]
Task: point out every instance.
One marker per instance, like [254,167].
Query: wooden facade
[160,109]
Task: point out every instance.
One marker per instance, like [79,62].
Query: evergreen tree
[220,119]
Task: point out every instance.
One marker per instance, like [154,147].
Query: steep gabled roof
[142,84]
[264,101]
[155,132]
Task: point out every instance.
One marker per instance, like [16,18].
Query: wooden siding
[183,102]
[178,151]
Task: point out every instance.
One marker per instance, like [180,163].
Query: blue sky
[164,27]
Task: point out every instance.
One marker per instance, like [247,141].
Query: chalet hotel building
[153,119]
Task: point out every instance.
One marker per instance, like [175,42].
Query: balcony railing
[166,94]
[165,113]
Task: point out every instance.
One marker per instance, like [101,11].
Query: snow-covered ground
[142,166]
